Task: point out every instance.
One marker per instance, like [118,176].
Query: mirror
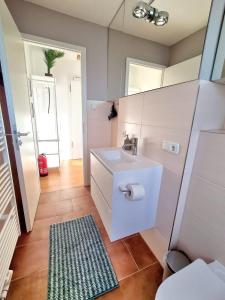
[143,56]
[219,66]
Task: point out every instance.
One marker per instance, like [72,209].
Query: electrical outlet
[171,147]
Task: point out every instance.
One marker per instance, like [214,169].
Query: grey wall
[189,47]
[36,20]
[121,46]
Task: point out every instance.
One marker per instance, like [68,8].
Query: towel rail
[9,222]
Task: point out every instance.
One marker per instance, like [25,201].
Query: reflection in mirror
[219,66]
[154,44]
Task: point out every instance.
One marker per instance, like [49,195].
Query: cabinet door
[103,178]
[219,66]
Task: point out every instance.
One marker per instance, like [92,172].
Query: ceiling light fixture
[144,10]
[141,9]
[151,15]
[162,18]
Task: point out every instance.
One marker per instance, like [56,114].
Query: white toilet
[197,281]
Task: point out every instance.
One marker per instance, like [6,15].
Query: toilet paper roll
[135,192]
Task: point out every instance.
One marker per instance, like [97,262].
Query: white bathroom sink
[117,155]
[116,159]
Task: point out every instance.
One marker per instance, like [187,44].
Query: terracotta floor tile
[138,248]
[73,215]
[140,286]
[30,258]
[122,260]
[75,192]
[66,194]
[33,287]
[40,231]
[49,210]
[50,197]
[83,204]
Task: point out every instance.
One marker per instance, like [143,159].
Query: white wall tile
[130,109]
[203,226]
[130,129]
[210,158]
[98,126]
[171,107]
[202,231]
[210,110]
[168,198]
[151,145]
[201,243]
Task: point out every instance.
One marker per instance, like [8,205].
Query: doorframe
[143,63]
[53,43]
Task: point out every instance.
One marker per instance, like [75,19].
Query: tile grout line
[152,264]
[28,275]
[130,253]
[138,271]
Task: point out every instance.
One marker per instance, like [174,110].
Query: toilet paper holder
[134,191]
[124,189]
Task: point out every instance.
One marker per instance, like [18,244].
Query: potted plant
[50,57]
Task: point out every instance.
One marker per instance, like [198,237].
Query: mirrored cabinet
[219,66]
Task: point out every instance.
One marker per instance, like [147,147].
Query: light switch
[171,147]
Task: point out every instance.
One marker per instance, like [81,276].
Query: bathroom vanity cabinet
[112,169]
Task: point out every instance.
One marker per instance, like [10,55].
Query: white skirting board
[156,242]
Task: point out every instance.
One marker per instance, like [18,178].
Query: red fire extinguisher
[43,165]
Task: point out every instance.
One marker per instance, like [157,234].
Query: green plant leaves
[50,56]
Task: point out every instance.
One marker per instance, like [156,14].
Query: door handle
[18,134]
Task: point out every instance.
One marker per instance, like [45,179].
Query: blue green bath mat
[79,266]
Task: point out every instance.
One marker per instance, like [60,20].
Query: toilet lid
[195,282]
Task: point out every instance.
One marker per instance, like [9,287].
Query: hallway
[138,271]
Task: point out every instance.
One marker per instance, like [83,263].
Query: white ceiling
[96,11]
[185,16]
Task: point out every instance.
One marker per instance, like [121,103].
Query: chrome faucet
[131,145]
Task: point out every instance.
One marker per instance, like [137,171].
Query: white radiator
[9,223]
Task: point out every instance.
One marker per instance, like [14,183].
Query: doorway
[58,113]
[142,76]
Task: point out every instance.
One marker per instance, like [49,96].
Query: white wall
[182,72]
[143,78]
[65,71]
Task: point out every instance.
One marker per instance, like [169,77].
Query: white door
[12,59]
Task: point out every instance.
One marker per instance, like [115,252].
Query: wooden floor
[69,174]
[138,271]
